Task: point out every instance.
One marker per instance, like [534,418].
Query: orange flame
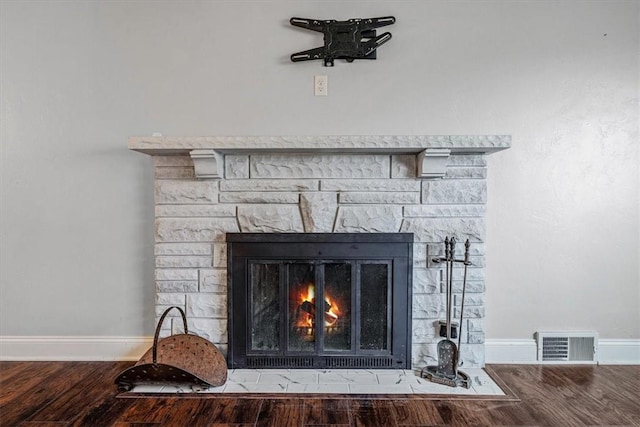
[310,295]
[306,319]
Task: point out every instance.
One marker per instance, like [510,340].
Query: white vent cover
[567,347]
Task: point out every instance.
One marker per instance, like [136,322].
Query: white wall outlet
[321,85]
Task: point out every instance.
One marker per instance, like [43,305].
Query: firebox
[319,300]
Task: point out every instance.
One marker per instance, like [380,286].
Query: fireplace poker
[464,288]
[447,352]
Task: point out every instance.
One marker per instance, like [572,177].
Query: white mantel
[363,144]
[432,151]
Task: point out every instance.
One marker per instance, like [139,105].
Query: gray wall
[79,78]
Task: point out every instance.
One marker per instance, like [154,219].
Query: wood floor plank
[18,385]
[614,385]
[415,413]
[501,413]
[148,410]
[372,413]
[281,413]
[320,412]
[598,398]
[193,412]
[186,412]
[43,424]
[104,413]
[92,388]
[458,413]
[205,413]
[66,378]
[230,410]
[568,395]
[543,390]
[123,424]
[231,425]
[10,369]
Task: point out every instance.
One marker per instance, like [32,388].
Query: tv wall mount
[349,40]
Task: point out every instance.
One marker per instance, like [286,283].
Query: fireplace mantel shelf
[459,144]
[432,151]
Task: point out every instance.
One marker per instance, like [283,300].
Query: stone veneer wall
[286,193]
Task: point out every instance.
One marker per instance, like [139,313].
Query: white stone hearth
[315,381]
[356,184]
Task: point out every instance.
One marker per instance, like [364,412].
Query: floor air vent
[567,347]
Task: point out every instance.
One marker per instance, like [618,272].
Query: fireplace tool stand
[446,372]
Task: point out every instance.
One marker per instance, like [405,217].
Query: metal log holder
[177,359]
[446,372]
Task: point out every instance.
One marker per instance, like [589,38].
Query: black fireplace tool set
[446,372]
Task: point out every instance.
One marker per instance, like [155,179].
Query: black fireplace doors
[319,300]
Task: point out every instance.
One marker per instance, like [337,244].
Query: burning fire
[310,295]
[307,309]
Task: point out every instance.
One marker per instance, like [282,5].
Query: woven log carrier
[181,358]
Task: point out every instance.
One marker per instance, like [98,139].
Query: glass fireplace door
[326,307]
[338,291]
[319,310]
[264,307]
[301,315]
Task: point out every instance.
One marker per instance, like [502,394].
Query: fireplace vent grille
[319,363]
[567,347]
[359,362]
[278,362]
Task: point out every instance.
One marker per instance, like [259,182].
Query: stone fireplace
[431,186]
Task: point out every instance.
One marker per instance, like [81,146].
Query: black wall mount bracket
[349,40]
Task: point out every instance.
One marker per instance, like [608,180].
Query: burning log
[308,307]
[307,312]
[330,319]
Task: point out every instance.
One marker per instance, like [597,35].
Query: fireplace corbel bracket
[432,163]
[207,164]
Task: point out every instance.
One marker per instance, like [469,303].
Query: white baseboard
[610,351]
[501,351]
[498,351]
[73,348]
[619,352]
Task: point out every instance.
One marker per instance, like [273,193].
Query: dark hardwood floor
[83,394]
